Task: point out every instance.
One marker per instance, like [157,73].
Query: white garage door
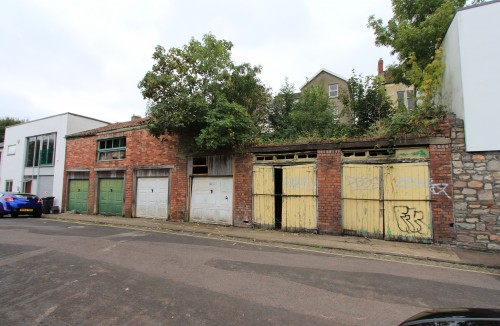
[212,200]
[152,197]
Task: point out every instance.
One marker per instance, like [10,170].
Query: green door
[111,197]
[78,195]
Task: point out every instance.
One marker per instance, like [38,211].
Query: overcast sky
[88,56]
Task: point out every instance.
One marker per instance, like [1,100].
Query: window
[401,98]
[8,185]
[40,150]
[410,94]
[11,149]
[111,149]
[333,90]
[200,165]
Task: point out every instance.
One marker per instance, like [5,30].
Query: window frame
[401,98]
[410,99]
[199,165]
[9,184]
[106,152]
[41,150]
[335,90]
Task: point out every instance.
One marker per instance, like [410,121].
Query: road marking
[262,243]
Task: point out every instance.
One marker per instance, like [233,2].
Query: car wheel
[14,214]
[37,215]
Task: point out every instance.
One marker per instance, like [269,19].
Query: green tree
[416,30]
[280,109]
[313,114]
[5,122]
[365,102]
[198,93]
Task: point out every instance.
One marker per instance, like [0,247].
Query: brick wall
[329,191]
[242,196]
[476,194]
[441,193]
[178,188]
[142,150]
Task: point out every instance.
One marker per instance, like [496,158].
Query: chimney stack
[135,117]
[380,67]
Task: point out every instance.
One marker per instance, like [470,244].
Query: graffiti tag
[439,189]
[362,183]
[299,183]
[409,220]
[410,182]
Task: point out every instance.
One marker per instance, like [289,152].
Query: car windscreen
[26,196]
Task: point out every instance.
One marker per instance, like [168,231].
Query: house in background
[400,94]
[35,151]
[333,84]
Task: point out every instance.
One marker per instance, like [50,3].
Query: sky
[87,56]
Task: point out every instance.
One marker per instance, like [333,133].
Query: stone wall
[476,194]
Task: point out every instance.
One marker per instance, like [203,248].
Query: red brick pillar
[129,176]
[242,190]
[441,193]
[329,192]
[178,188]
[91,208]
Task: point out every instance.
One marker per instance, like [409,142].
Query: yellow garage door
[299,198]
[263,196]
[407,202]
[362,211]
[390,201]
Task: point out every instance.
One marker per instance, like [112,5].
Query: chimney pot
[380,67]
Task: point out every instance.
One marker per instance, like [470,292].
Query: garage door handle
[226,197]
[151,190]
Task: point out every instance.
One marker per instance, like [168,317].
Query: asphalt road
[58,273]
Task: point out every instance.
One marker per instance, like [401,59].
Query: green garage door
[111,197]
[78,195]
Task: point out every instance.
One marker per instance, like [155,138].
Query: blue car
[15,204]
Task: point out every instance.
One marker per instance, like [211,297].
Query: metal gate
[111,197]
[291,205]
[78,195]
[389,201]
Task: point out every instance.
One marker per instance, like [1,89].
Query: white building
[34,154]
[472,58]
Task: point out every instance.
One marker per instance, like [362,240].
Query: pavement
[427,252]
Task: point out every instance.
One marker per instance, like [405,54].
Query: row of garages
[356,188]
[386,196]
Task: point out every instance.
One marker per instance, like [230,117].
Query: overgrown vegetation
[198,93]
[415,33]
